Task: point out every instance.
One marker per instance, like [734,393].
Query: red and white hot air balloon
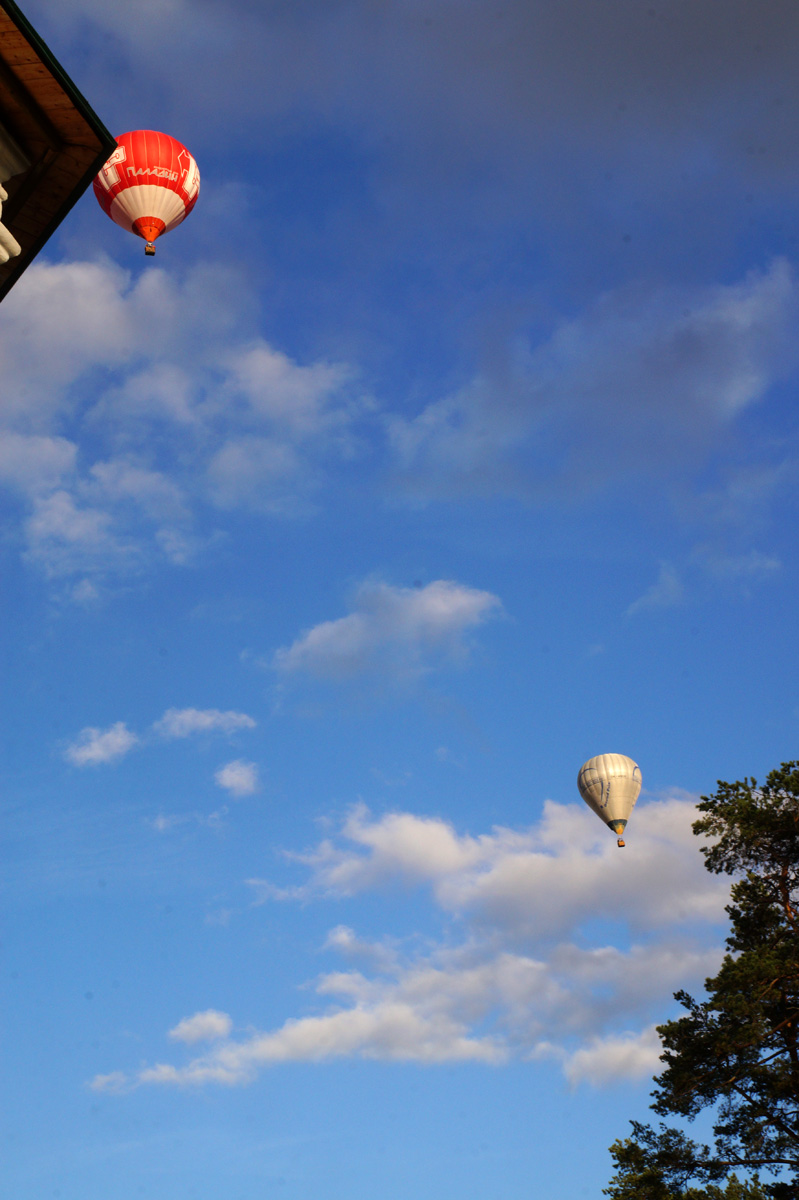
[148,185]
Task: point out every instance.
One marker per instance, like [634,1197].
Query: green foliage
[736,1052]
[660,1166]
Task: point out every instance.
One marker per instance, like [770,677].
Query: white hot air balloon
[610,785]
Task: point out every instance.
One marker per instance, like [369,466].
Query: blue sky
[451,441]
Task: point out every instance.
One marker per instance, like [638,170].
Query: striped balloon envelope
[148,185]
[610,785]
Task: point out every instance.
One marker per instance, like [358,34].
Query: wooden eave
[62,136]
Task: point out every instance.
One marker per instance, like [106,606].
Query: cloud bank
[530,976]
[117,447]
[122,454]
[640,384]
[490,87]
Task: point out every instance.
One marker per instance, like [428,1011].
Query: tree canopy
[736,1052]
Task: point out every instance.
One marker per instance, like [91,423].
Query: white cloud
[742,497]
[666,592]
[93,746]
[183,722]
[398,846]
[114,1081]
[736,566]
[34,464]
[615,1058]
[638,385]
[64,319]
[256,472]
[391,1030]
[344,940]
[117,443]
[123,480]
[285,396]
[238,777]
[166,821]
[165,392]
[66,537]
[397,631]
[84,592]
[205,1026]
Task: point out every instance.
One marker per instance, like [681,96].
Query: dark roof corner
[52,144]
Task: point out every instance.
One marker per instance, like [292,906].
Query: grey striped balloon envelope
[610,785]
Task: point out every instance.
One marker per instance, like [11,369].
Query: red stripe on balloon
[146,156]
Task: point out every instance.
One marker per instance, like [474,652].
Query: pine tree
[735,1053]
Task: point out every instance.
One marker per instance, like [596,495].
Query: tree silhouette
[735,1053]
